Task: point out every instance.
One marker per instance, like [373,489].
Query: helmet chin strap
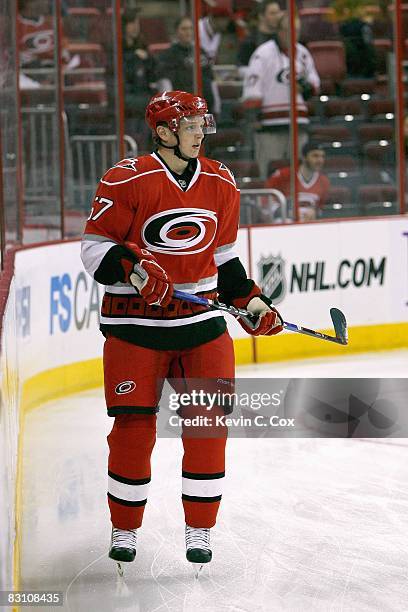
[176,149]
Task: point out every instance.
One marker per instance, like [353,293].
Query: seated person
[36,35]
[313,186]
[176,66]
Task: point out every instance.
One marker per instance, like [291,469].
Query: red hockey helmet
[172,106]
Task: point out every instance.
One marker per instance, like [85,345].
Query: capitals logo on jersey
[180,231]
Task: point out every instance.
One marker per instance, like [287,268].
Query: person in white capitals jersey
[161,222]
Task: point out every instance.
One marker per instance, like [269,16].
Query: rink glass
[75,115]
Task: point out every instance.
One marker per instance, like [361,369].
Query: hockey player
[160,222]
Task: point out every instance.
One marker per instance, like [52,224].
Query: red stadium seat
[276,164]
[226,137]
[341,107]
[383,46]
[358,87]
[80,23]
[330,59]
[370,132]
[87,95]
[379,109]
[315,25]
[230,91]
[244,169]
[307,4]
[91,54]
[330,133]
[339,195]
[377,194]
[157,48]
[379,161]
[154,29]
[341,164]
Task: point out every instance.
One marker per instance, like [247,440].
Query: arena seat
[91,54]
[358,87]
[340,211]
[343,171]
[340,108]
[245,170]
[157,48]
[383,46]
[369,132]
[154,29]
[230,91]
[330,59]
[379,161]
[341,164]
[226,137]
[339,195]
[378,199]
[338,139]
[315,25]
[276,164]
[80,23]
[380,110]
[89,94]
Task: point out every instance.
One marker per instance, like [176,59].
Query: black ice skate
[123,546]
[198,549]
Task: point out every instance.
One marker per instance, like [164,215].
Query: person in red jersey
[35,25]
[312,186]
[162,222]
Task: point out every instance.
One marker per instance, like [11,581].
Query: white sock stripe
[127,492]
[202,488]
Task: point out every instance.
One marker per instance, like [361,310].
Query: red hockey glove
[148,277]
[269,320]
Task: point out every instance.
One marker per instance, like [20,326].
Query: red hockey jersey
[310,193]
[190,233]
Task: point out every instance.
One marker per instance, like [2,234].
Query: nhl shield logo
[271,273]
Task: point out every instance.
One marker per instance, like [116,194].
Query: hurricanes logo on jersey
[180,231]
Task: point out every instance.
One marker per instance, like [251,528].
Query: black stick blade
[339,324]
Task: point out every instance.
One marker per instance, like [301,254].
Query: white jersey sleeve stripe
[92,253]
[224,256]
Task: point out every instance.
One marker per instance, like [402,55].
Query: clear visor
[198,124]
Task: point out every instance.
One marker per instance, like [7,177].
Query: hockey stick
[338,318]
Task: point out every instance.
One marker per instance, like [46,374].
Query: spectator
[36,35]
[140,75]
[267,90]
[212,27]
[176,66]
[357,36]
[312,186]
[269,13]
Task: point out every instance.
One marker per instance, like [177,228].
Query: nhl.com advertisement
[278,277]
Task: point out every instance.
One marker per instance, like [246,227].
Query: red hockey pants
[132,395]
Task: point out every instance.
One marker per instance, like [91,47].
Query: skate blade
[197,567]
[120,568]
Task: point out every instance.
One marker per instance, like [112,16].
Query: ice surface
[305,525]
